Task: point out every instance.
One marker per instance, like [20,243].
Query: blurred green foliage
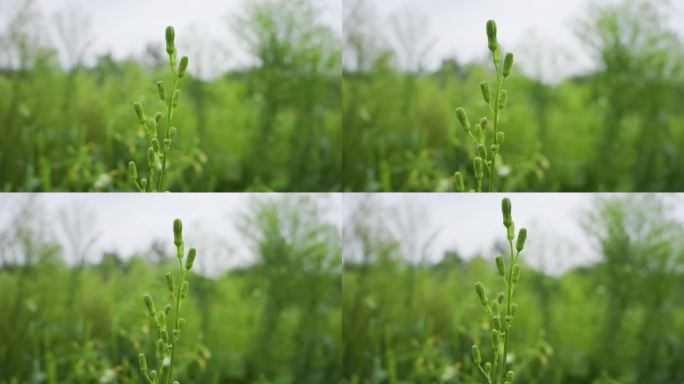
[616,128]
[274,321]
[619,320]
[272,126]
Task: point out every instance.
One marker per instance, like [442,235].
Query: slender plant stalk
[497,371]
[166,344]
[157,154]
[486,158]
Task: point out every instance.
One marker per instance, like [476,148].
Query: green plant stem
[169,117]
[175,322]
[509,298]
[492,166]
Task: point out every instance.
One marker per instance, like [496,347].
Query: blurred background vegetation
[68,124]
[617,320]
[616,127]
[274,320]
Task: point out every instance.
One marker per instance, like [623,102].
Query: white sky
[471,223]
[531,28]
[128,223]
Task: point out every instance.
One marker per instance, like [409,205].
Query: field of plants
[618,127]
[274,320]
[617,320]
[69,125]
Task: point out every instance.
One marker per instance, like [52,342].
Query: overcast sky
[128,223]
[471,223]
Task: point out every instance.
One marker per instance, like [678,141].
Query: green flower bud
[482,150]
[184,290]
[132,170]
[500,265]
[143,183]
[137,106]
[502,99]
[495,339]
[494,304]
[142,361]
[170,37]
[494,148]
[509,320]
[178,232]
[182,67]
[151,158]
[484,88]
[488,367]
[161,348]
[149,304]
[191,258]
[164,335]
[176,98]
[477,167]
[480,290]
[491,35]
[500,298]
[463,118]
[484,123]
[153,374]
[496,321]
[175,334]
[167,309]
[514,308]
[155,145]
[157,117]
[506,210]
[169,281]
[181,323]
[516,273]
[500,137]
[477,357]
[510,231]
[508,63]
[162,90]
[522,236]
[509,376]
[458,181]
[172,132]
[161,319]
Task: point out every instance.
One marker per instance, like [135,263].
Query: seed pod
[477,358]
[463,118]
[509,376]
[176,98]
[522,236]
[506,210]
[480,290]
[162,90]
[191,258]
[169,281]
[491,35]
[458,181]
[514,308]
[508,63]
[170,43]
[184,289]
[484,88]
[482,150]
[142,361]
[500,137]
[182,67]
[502,99]
[172,132]
[139,111]
[516,273]
[149,304]
[488,367]
[496,321]
[477,167]
[178,232]
[181,323]
[132,170]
